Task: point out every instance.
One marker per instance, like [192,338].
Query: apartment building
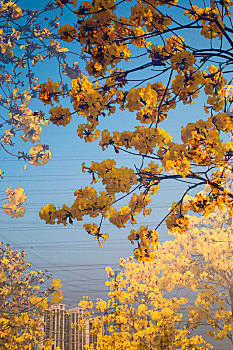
[63,327]
[76,337]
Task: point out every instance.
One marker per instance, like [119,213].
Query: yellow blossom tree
[200,260]
[140,58]
[22,301]
[138,315]
[161,304]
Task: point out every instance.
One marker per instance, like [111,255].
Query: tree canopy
[138,315]
[144,59]
[161,304]
[141,57]
[23,300]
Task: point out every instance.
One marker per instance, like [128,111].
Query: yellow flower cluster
[183,61]
[7,136]
[93,229]
[147,241]
[115,179]
[173,45]
[62,3]
[139,202]
[214,81]
[143,139]
[147,16]
[177,221]
[60,115]
[38,155]
[144,100]
[30,122]
[68,33]
[15,199]
[88,132]
[49,91]
[88,100]
[205,146]
[210,29]
[48,214]
[99,32]
[176,159]
[149,177]
[87,202]
[121,217]
[185,85]
[13,10]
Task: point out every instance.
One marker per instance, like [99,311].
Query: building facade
[76,336]
[64,328]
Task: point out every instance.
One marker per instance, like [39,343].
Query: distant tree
[22,301]
[161,304]
[201,260]
[138,314]
[144,59]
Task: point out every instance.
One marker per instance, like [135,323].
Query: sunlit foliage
[22,301]
[138,314]
[161,304]
[201,261]
[146,63]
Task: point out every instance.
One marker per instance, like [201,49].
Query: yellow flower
[60,115]
[67,32]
